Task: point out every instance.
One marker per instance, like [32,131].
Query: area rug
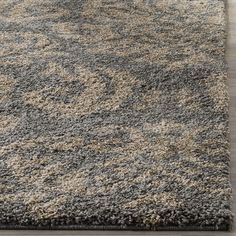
[114,115]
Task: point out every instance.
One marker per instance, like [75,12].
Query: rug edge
[122,228]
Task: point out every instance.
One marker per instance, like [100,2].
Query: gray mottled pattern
[114,114]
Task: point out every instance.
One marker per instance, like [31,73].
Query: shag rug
[114,115]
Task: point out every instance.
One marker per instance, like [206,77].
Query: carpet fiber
[114,115]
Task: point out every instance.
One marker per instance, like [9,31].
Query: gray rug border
[114,227]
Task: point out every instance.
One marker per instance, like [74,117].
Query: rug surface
[114,115]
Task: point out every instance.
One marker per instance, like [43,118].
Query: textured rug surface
[114,115]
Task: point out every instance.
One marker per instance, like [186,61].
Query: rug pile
[114,115]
